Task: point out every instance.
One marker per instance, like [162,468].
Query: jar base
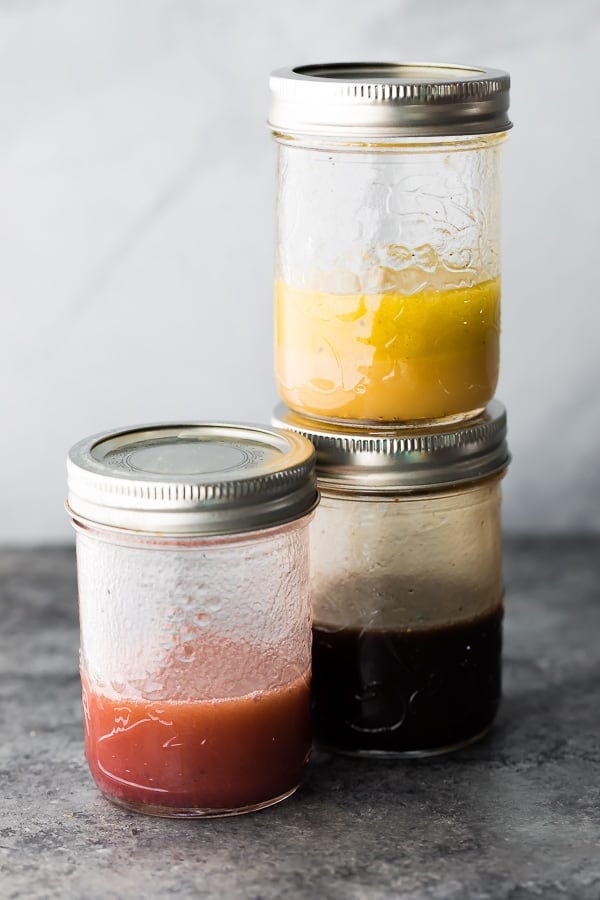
[385,425]
[176,812]
[405,754]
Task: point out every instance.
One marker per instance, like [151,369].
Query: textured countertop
[516,816]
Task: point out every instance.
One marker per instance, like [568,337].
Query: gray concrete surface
[513,818]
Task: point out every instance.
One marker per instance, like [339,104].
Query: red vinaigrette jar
[406,583]
[192,559]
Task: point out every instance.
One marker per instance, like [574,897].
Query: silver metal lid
[191,478]
[404,460]
[389,99]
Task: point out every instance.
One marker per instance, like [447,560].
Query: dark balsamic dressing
[402,691]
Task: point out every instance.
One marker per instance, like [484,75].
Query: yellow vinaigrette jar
[387,285]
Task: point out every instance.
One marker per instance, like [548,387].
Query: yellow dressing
[387,357]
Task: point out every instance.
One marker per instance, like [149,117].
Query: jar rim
[200,478]
[402,459]
[386,99]
[184,540]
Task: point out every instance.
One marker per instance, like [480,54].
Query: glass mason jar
[387,281]
[407,589]
[192,557]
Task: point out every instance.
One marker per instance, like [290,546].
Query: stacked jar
[387,324]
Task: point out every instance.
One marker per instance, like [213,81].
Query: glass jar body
[387,283]
[195,668]
[407,634]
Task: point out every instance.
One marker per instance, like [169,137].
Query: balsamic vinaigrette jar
[407,587]
[192,559]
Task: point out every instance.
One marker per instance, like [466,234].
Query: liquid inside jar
[188,755]
[388,356]
[406,692]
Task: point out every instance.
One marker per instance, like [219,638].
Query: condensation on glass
[387,281]
[192,553]
[407,591]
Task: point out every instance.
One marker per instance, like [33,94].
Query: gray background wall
[136,223]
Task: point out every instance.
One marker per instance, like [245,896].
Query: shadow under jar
[192,558]
[387,282]
[407,591]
